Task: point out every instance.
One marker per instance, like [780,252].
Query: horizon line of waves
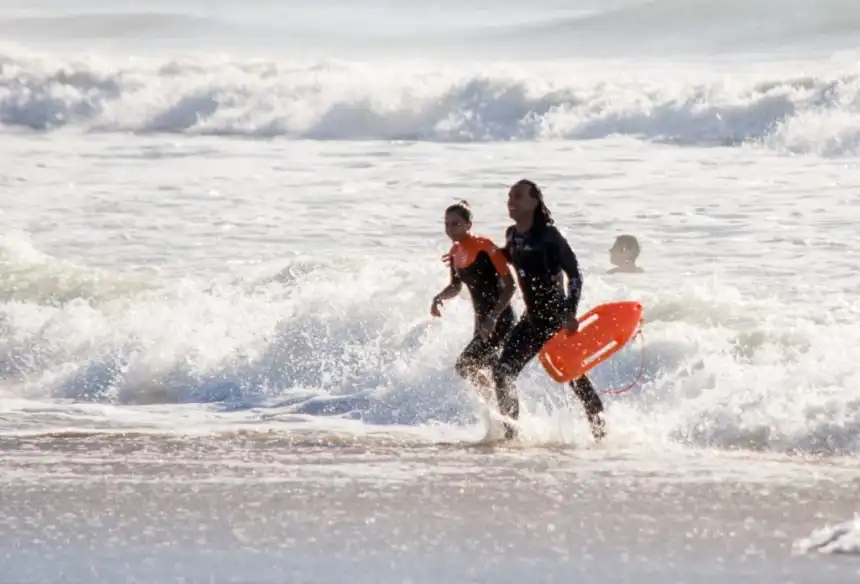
[807,113]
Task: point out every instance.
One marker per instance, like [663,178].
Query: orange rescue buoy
[603,330]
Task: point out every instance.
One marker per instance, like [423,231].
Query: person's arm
[453,288]
[448,292]
[570,266]
[500,262]
[506,250]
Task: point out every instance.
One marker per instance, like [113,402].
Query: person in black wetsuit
[540,255]
[479,264]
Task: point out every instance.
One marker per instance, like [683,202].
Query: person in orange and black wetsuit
[477,263]
[540,255]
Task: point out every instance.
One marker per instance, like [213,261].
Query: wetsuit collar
[530,227]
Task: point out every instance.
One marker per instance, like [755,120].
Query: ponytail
[542,216]
[462,209]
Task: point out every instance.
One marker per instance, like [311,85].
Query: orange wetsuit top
[480,265]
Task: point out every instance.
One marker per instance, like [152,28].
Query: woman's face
[521,205]
[456,227]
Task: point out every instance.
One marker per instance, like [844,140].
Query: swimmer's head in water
[525,200]
[624,251]
[458,221]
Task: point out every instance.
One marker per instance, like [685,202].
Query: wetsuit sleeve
[500,262]
[567,261]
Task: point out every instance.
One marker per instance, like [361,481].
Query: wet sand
[262,509]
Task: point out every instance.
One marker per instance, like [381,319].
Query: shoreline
[143,511]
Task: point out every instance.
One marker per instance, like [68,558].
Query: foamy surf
[316,346]
[796,108]
[840,538]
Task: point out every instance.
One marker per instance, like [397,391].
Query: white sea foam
[841,538]
[148,259]
[793,107]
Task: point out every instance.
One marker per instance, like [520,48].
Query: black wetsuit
[480,265]
[541,257]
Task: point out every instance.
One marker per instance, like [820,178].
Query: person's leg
[519,348]
[590,399]
[470,362]
[476,360]
[504,326]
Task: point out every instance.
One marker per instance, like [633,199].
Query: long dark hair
[542,216]
[462,209]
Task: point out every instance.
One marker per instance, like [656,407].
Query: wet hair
[462,209]
[628,243]
[542,216]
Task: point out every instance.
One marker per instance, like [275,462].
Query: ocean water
[221,228]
